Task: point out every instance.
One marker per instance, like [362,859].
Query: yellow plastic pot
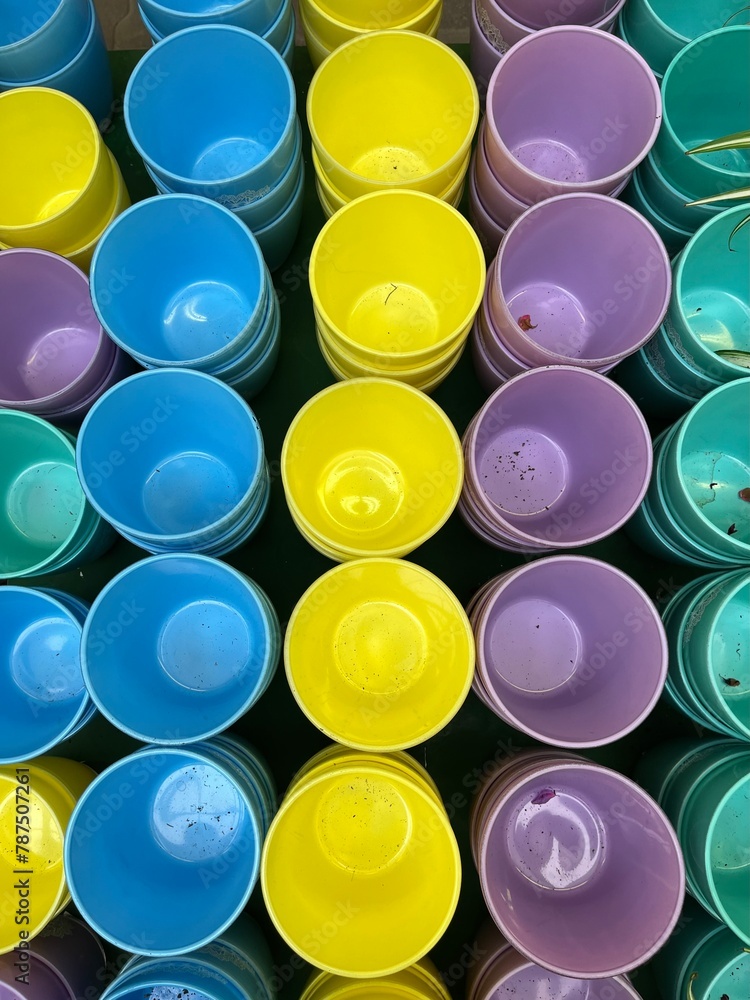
[335,22]
[396,278]
[360,870]
[57,184]
[37,800]
[379,654]
[392,109]
[354,478]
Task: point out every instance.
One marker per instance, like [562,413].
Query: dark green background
[285,565]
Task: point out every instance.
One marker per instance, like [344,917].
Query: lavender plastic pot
[493,345]
[572,650]
[493,29]
[500,536]
[71,416]
[589,273]
[499,25]
[511,975]
[43,982]
[580,869]
[503,206]
[570,109]
[541,14]
[502,357]
[469,516]
[55,352]
[69,947]
[490,377]
[489,945]
[489,232]
[560,455]
[484,54]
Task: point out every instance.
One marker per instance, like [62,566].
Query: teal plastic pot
[720,967]
[46,524]
[656,767]
[656,528]
[674,237]
[670,201]
[699,766]
[643,530]
[621,31]
[658,29]
[710,308]
[239,960]
[679,617]
[706,467]
[641,377]
[706,95]
[676,962]
[671,523]
[717,651]
[675,368]
[716,821]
